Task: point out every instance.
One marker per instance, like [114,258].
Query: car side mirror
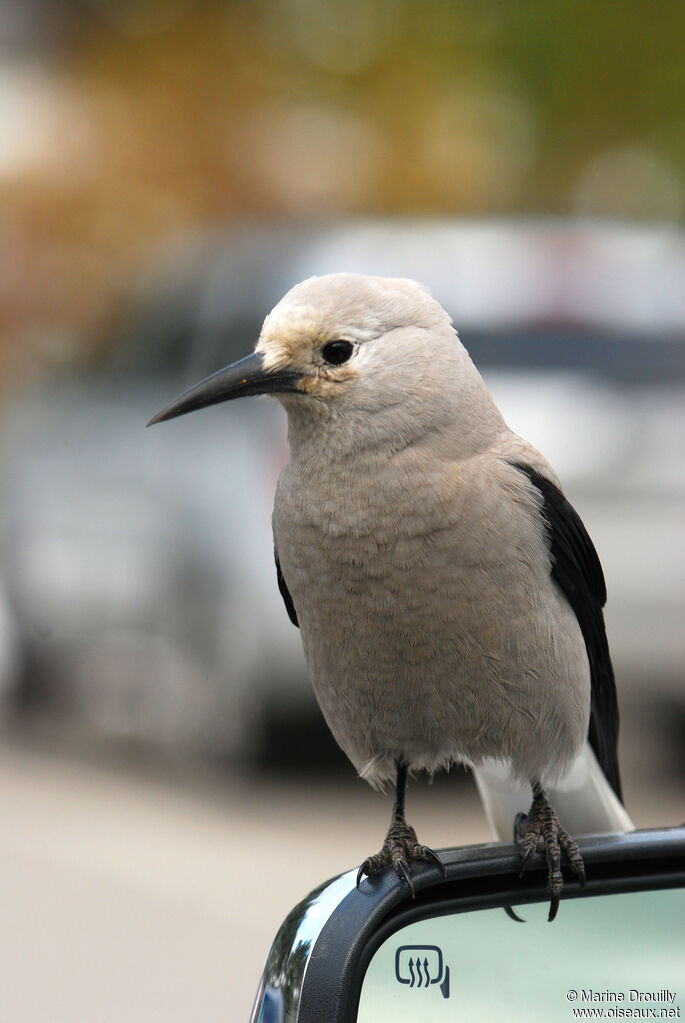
[376,955]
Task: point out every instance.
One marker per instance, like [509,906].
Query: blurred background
[168,169]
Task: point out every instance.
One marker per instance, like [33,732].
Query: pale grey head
[377,352]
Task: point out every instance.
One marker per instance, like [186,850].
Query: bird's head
[351,346]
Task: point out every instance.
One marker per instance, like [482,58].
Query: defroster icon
[420,966]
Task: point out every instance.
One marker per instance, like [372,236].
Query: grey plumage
[424,550]
[414,552]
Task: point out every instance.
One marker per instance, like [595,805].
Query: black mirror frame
[320,955]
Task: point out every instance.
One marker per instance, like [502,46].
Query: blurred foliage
[123,121]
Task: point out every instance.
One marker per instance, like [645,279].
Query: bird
[449,598]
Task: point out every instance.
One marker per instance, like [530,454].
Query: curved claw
[403,873]
[362,870]
[431,856]
[524,860]
[553,907]
[513,915]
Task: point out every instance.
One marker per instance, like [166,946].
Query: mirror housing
[319,964]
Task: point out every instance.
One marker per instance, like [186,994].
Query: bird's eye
[337,352]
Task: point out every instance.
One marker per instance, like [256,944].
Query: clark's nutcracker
[448,596]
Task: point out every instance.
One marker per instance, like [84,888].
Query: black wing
[577,570]
[285,592]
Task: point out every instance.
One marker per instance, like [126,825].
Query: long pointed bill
[248,376]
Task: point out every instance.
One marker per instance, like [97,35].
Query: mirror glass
[622,953]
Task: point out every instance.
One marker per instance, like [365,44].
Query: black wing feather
[285,592]
[577,570]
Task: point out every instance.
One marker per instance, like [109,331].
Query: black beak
[248,376]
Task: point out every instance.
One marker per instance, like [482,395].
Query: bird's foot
[401,846]
[542,822]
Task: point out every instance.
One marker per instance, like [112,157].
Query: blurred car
[139,565]
[9,654]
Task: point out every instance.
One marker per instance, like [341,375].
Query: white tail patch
[584,801]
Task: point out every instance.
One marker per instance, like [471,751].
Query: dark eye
[337,352]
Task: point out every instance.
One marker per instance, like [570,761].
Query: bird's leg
[542,822]
[401,845]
